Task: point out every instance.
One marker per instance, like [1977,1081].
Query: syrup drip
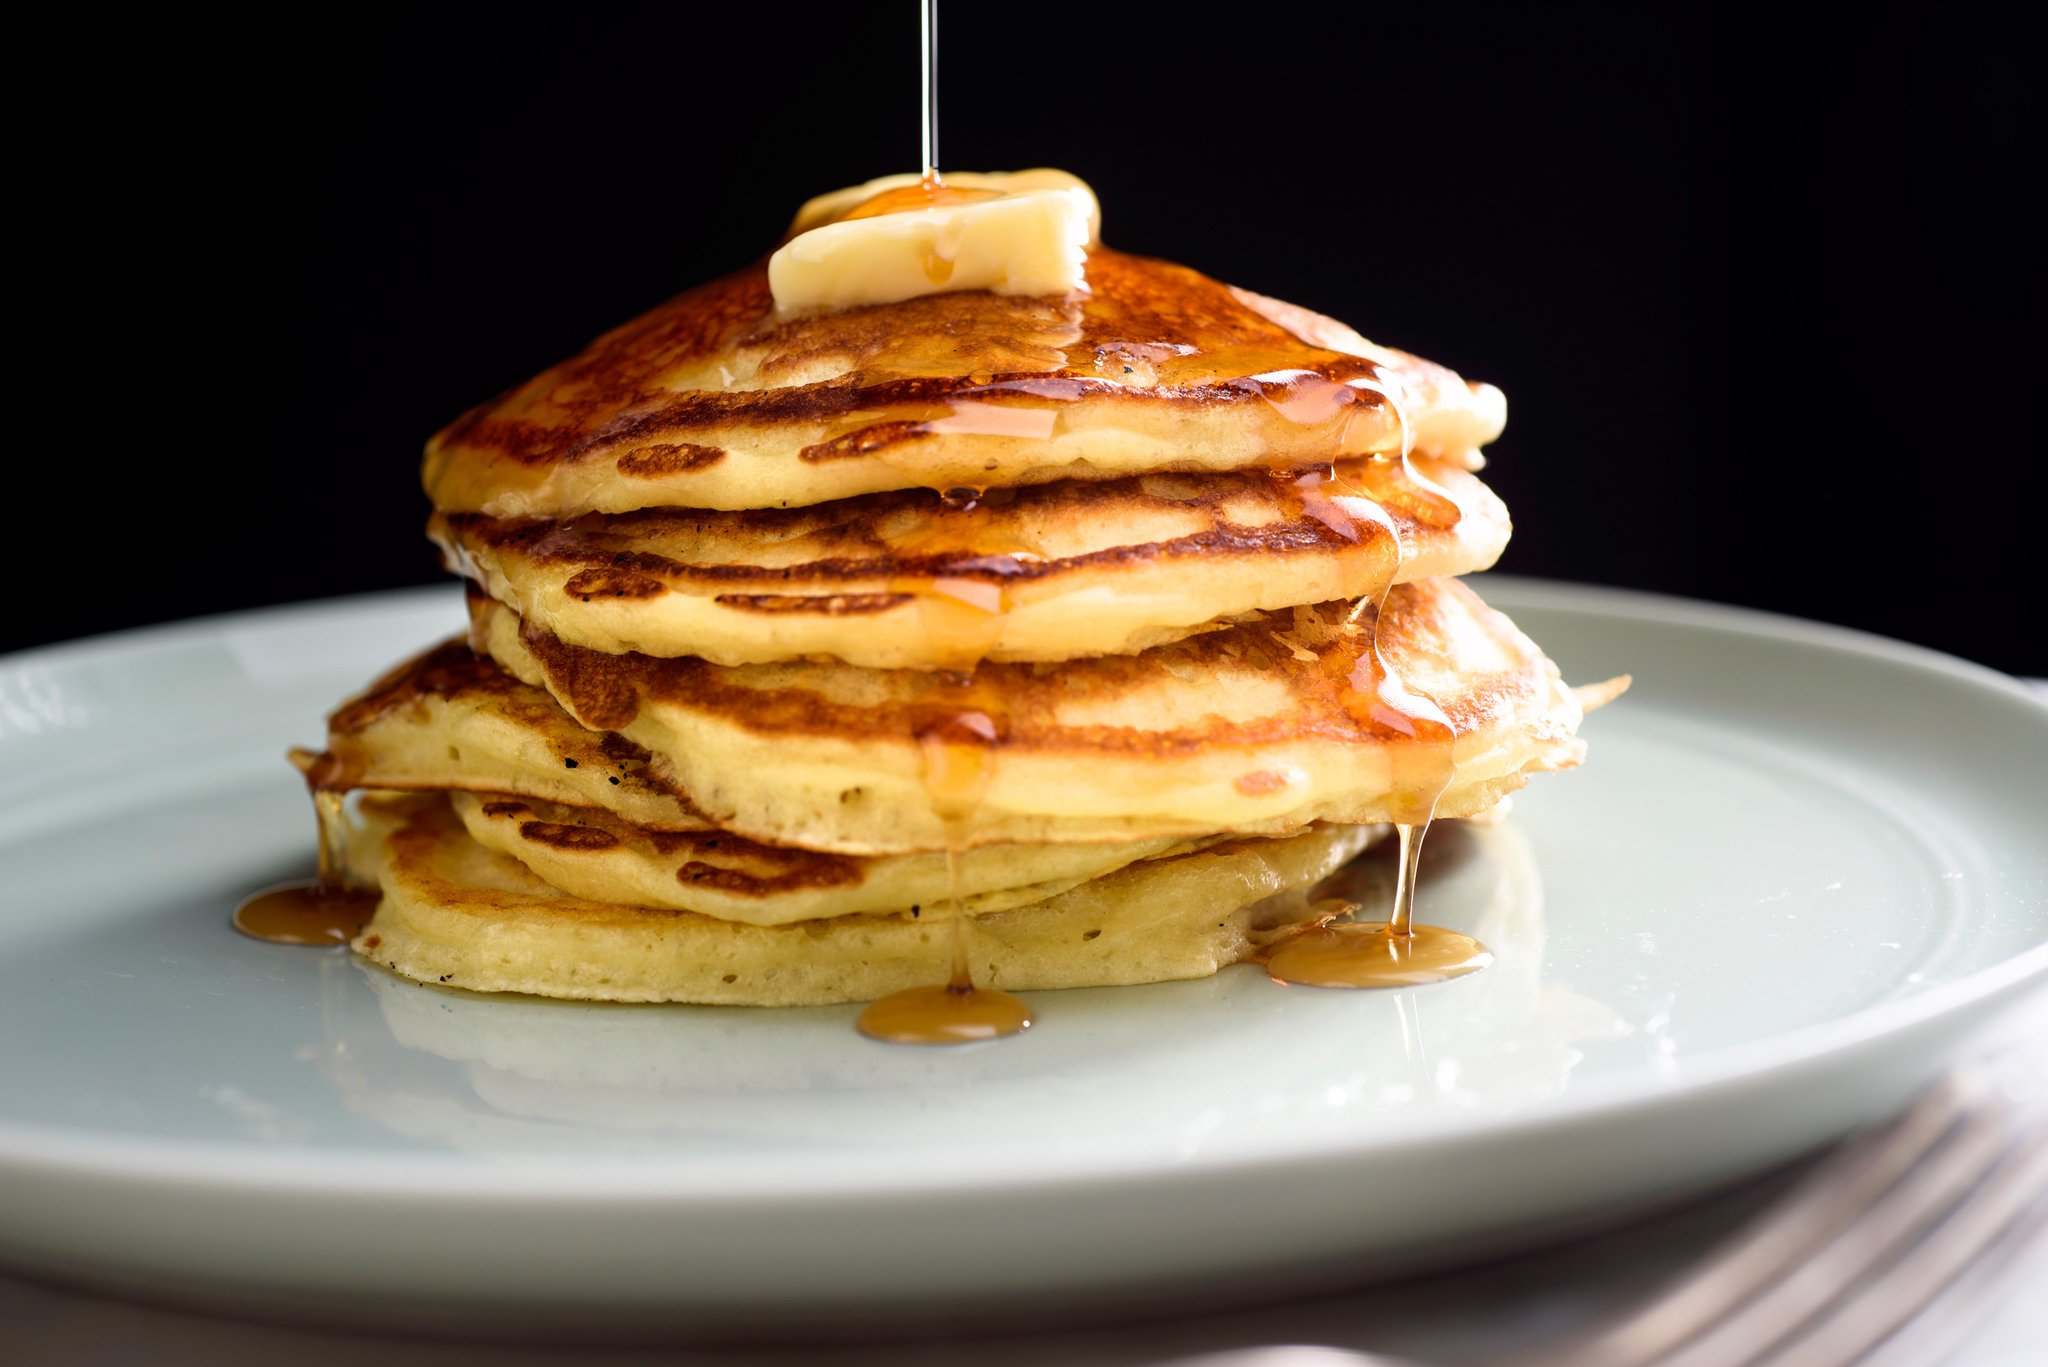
[323,912]
[960,759]
[975,418]
[1370,491]
[1354,418]
[962,617]
[957,1012]
[1397,484]
[1397,952]
[1393,953]
[1310,488]
[930,193]
[959,764]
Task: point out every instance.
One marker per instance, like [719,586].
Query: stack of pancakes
[1116,622]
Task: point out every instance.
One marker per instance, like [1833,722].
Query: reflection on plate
[540,1076]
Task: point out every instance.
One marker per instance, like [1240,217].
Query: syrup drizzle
[959,752]
[961,616]
[324,912]
[1354,417]
[962,619]
[1397,952]
[956,1012]
[1392,953]
[930,193]
[928,59]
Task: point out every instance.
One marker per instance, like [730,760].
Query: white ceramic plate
[1801,866]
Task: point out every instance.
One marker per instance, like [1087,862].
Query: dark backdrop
[1762,292]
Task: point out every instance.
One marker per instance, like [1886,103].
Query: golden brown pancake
[1048,572]
[587,852]
[712,401]
[456,913]
[1254,728]
[453,721]
[1101,627]
[449,718]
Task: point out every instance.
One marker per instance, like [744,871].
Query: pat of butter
[1031,238]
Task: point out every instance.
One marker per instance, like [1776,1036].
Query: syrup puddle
[1391,953]
[305,914]
[956,1013]
[1396,952]
[324,912]
[959,764]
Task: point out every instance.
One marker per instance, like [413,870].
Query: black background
[1762,289]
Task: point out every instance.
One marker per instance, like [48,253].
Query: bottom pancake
[455,912]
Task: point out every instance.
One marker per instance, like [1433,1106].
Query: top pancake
[712,401]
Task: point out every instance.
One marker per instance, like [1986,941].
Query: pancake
[1252,729]
[456,913]
[1050,572]
[591,854]
[813,638]
[713,401]
[452,721]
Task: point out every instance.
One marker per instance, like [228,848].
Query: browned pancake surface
[1045,572]
[710,400]
[1285,677]
[1260,727]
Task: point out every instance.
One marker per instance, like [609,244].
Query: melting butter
[1023,232]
